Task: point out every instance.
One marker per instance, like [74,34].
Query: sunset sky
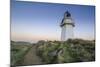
[34,21]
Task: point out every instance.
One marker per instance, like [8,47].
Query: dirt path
[31,58]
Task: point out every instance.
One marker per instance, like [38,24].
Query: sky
[34,21]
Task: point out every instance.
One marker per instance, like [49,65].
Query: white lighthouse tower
[67,26]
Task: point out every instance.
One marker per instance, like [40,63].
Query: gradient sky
[33,21]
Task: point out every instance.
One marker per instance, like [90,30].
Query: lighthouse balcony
[63,24]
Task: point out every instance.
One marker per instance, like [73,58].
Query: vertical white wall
[67,32]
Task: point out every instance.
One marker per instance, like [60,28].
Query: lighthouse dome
[67,19]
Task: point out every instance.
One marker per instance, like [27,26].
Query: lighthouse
[67,25]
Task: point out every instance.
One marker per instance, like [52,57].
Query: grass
[18,52]
[52,52]
[76,50]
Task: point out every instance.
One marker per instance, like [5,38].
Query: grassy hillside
[51,52]
[18,50]
[76,50]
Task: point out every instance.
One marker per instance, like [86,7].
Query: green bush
[76,50]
